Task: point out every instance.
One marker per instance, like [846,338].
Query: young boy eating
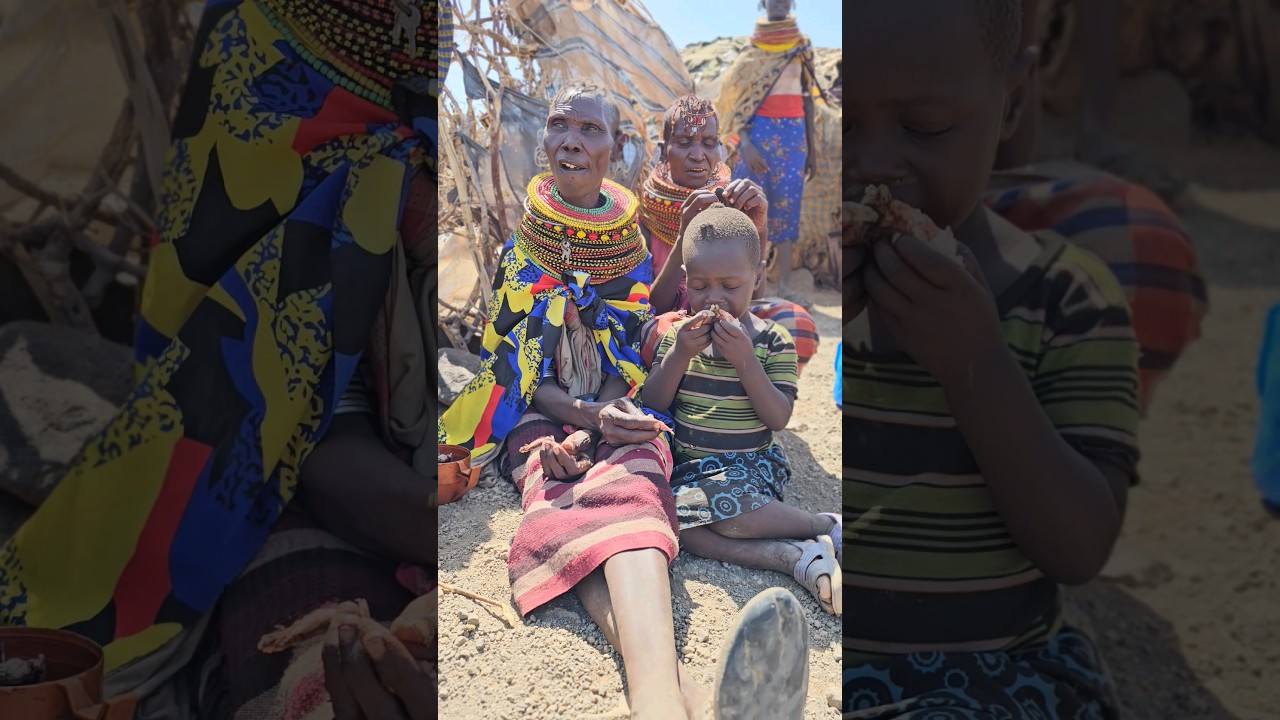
[728,378]
[987,458]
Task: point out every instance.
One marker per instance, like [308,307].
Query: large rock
[57,387]
[457,367]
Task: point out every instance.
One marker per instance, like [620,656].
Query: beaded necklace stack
[777,36]
[661,200]
[604,242]
[362,46]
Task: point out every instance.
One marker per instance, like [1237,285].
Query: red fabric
[781,106]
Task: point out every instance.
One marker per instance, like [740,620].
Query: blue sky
[687,21]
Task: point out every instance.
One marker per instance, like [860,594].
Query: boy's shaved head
[719,224]
[1002,29]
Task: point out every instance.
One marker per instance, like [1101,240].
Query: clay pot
[456,477]
[72,689]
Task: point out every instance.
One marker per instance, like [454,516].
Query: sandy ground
[1187,616]
[557,664]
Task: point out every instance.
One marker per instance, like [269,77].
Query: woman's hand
[744,195]
[370,673]
[697,201]
[564,460]
[622,423]
[751,154]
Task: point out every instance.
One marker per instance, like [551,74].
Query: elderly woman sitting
[550,406]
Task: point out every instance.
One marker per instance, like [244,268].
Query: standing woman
[766,110]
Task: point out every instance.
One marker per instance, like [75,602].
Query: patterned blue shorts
[728,485]
[1064,680]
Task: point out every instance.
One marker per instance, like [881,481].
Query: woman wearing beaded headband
[689,174]
[550,407]
[290,247]
[767,115]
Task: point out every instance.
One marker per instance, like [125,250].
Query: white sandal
[818,558]
[837,535]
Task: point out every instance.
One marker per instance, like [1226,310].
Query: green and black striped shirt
[712,411]
[930,565]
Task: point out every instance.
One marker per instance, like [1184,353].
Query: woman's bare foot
[695,695]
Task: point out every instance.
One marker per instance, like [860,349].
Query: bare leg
[593,591]
[640,595]
[775,520]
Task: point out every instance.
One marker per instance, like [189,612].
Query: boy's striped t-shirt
[711,409]
[929,564]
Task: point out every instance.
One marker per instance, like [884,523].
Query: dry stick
[506,609]
[464,199]
[153,126]
[104,258]
[55,267]
[105,272]
[47,197]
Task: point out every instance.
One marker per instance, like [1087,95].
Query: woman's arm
[662,296]
[358,490]
[666,287]
[551,400]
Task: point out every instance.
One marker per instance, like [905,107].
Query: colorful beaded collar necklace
[777,36]
[661,200]
[604,242]
[363,46]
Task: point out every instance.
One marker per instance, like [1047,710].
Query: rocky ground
[557,664]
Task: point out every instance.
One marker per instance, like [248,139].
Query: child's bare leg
[775,520]
[593,591]
[754,553]
[640,595]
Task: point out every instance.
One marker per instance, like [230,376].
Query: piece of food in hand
[545,441]
[880,210]
[856,212]
[416,626]
[628,406]
[20,671]
[313,624]
[570,444]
